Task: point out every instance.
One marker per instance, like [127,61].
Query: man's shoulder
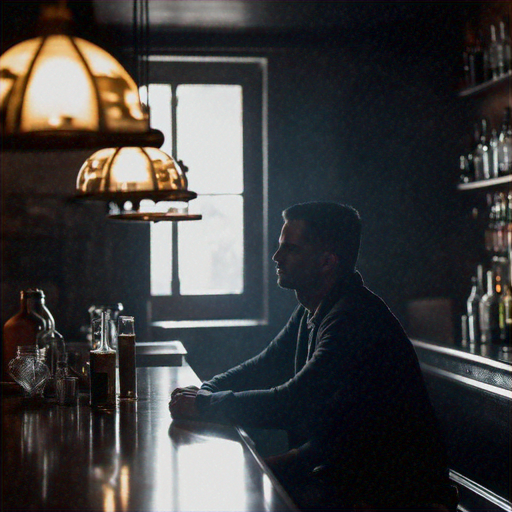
[361,298]
[360,305]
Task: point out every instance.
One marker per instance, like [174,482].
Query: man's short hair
[333,226]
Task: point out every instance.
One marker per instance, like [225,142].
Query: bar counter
[134,458]
[471,390]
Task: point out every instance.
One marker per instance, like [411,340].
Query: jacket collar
[345,286]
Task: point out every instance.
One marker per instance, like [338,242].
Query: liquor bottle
[482,152]
[475,157]
[505,315]
[508,242]
[476,62]
[505,145]
[489,312]
[464,330]
[464,169]
[103,368]
[127,366]
[505,43]
[495,55]
[494,154]
[473,305]
[20,330]
[500,225]
[490,231]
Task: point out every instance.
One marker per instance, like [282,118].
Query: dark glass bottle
[103,368]
[20,330]
[476,62]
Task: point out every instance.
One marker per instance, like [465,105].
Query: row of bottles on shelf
[490,154]
[498,233]
[487,53]
[489,309]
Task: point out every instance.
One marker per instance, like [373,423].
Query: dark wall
[373,122]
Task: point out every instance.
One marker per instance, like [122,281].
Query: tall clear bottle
[50,341]
[483,156]
[37,301]
[473,306]
[103,368]
[495,54]
[505,43]
[475,155]
[505,145]
[20,330]
[494,154]
[489,313]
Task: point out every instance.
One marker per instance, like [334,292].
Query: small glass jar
[29,370]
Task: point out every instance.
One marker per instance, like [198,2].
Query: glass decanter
[29,371]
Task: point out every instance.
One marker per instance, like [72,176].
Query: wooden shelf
[485,86]
[486,184]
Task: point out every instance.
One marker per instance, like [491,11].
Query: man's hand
[182,404]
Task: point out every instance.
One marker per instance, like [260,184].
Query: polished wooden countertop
[134,458]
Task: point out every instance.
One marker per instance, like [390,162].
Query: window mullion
[175,280]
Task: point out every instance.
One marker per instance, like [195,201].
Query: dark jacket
[347,387]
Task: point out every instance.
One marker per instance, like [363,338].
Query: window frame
[251,74]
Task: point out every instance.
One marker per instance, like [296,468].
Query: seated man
[341,378]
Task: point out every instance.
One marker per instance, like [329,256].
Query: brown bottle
[20,330]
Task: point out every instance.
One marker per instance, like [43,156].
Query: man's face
[298,261]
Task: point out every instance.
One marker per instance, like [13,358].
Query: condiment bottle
[127,366]
[103,368]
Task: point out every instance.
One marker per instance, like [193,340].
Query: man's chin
[283,283]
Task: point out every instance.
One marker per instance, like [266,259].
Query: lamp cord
[141,42]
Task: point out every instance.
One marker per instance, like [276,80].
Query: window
[212,113]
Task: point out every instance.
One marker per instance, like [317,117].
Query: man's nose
[275,257]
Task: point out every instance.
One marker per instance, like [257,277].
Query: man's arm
[271,367]
[336,372]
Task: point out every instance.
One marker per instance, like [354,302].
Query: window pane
[211,250]
[160,98]
[161,258]
[209,121]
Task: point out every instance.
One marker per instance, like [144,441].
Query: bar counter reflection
[133,458]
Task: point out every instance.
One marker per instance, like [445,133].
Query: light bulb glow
[131,170]
[53,101]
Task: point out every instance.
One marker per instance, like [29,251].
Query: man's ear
[329,261]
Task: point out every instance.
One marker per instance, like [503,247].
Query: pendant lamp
[133,180]
[58,91]
[139,183]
